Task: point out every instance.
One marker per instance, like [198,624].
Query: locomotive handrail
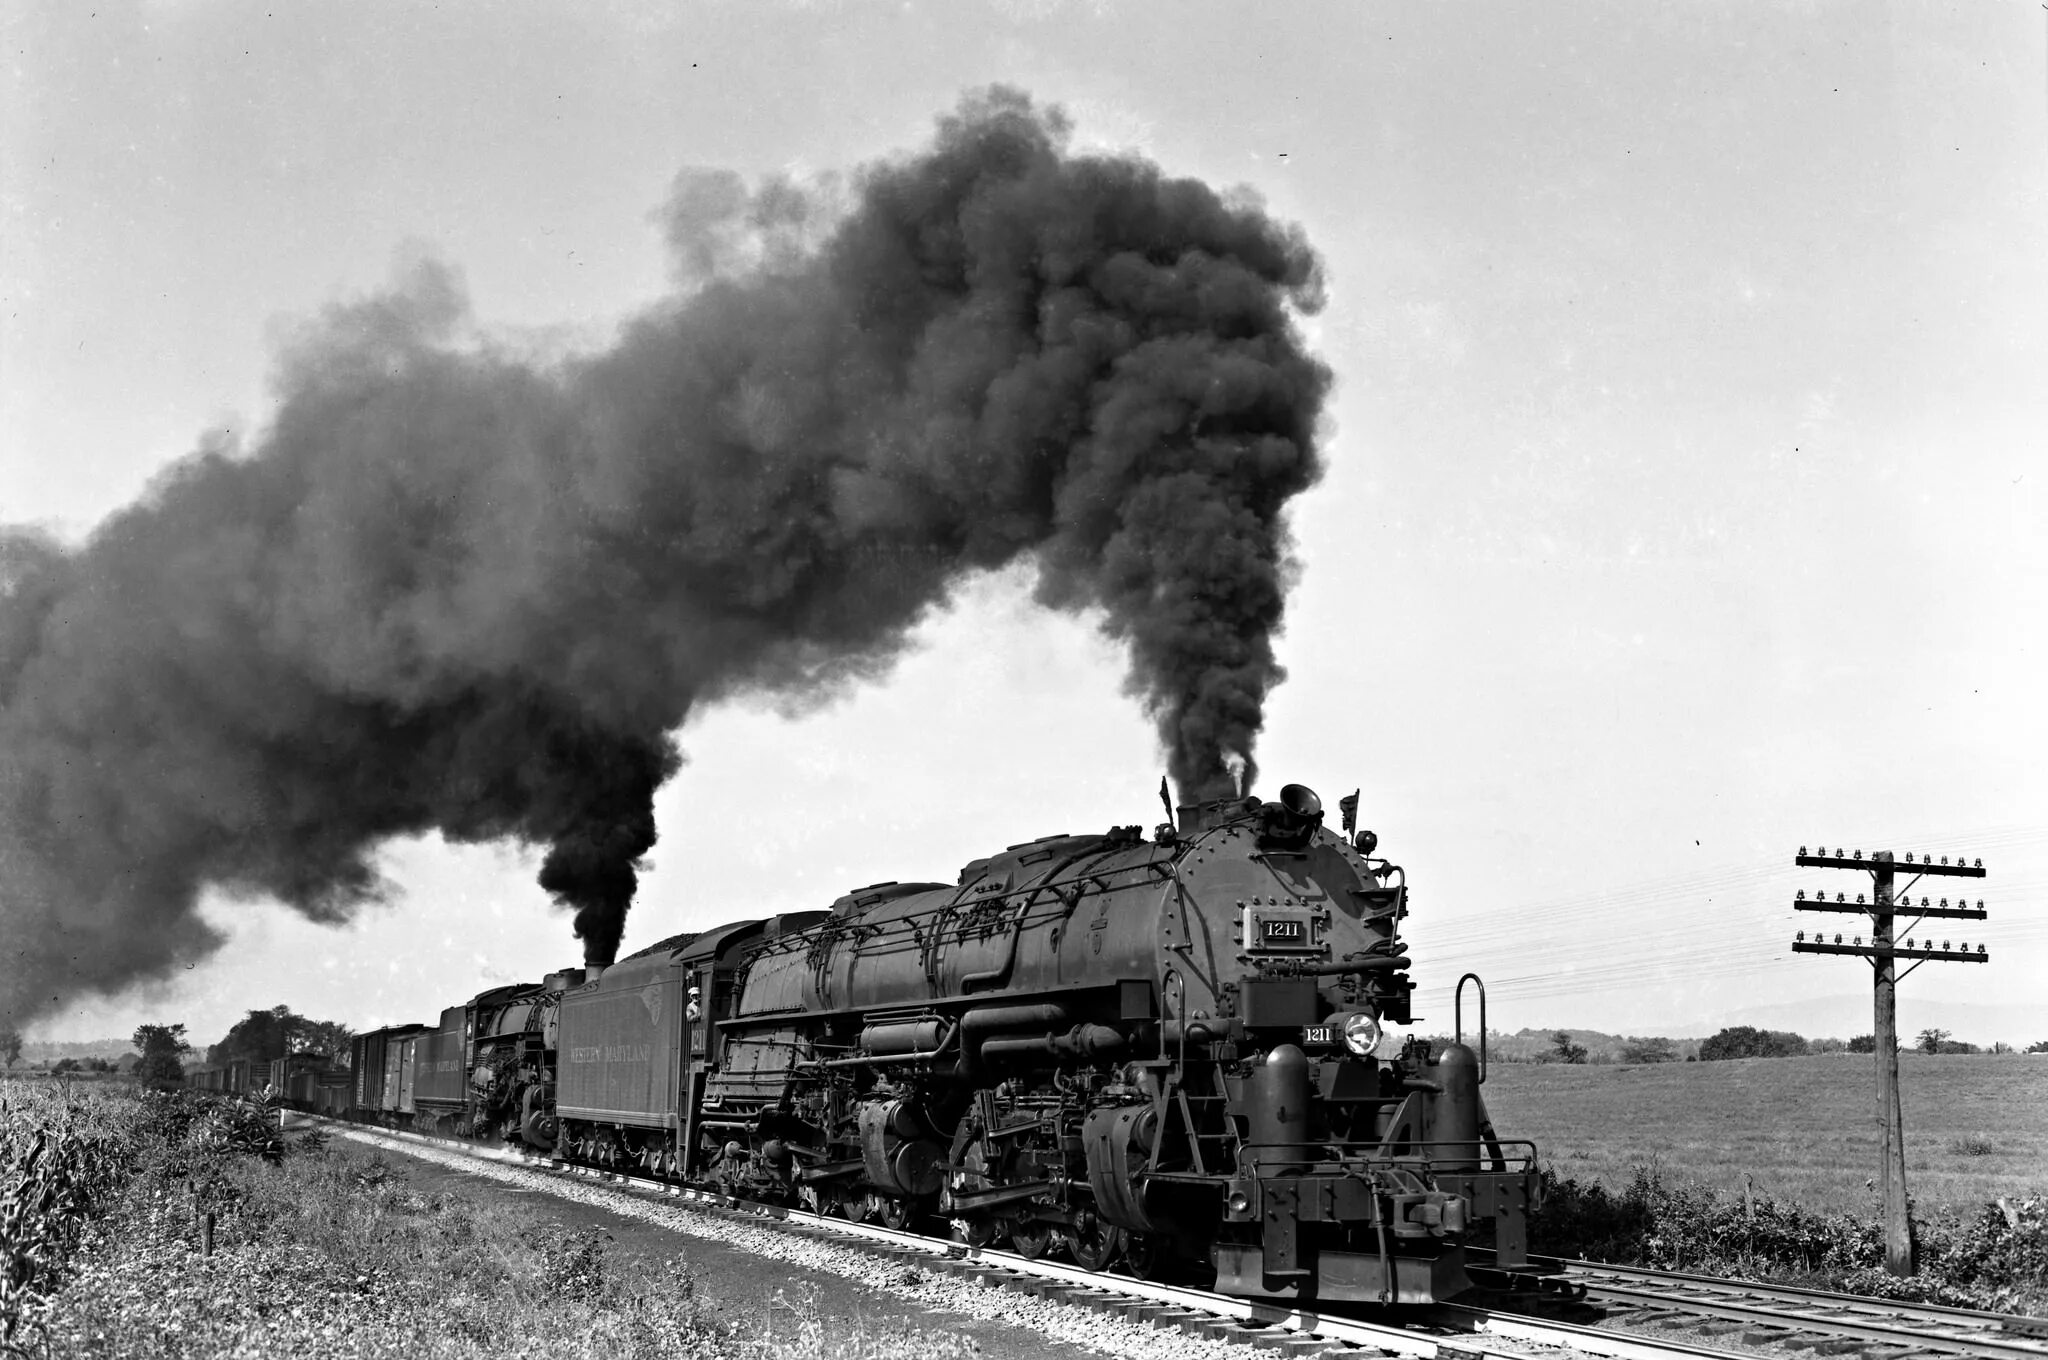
[1371,963]
[937,1050]
[1458,1018]
[1166,987]
[1045,883]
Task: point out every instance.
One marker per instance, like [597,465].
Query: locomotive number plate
[1318,1036]
[1283,932]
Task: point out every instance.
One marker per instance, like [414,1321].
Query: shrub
[238,1126]
[1650,1050]
[1997,1260]
[1863,1043]
[1744,1041]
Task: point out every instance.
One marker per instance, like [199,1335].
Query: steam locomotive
[1162,1052]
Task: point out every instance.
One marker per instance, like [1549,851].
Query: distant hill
[1529,1045]
[39,1054]
[1842,1016]
[46,1053]
[1848,1014]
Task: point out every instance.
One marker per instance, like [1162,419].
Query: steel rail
[1923,1327]
[1932,1312]
[1781,1312]
[1222,1316]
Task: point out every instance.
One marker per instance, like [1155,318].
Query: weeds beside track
[1995,1259]
[62,1155]
[325,1249]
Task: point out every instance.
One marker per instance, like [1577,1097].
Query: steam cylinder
[1457,1110]
[1276,1099]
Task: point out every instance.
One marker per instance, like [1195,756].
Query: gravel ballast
[928,1290]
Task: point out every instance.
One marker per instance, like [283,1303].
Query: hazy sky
[1685,455]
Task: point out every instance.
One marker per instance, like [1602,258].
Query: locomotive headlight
[1362,1033]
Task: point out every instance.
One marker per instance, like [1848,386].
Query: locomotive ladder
[1212,1134]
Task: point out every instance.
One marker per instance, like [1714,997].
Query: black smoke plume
[454,589]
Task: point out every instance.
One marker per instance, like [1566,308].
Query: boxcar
[332,1096]
[383,1061]
[366,1060]
[401,1069]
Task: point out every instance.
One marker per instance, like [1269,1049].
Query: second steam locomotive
[1163,1052]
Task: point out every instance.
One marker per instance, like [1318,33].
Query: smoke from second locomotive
[451,589]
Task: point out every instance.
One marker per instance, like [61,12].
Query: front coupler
[1385,1234]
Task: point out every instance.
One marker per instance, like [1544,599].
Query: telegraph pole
[1884,951]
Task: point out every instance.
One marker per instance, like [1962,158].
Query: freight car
[295,1079]
[1165,1052]
[306,1081]
[236,1076]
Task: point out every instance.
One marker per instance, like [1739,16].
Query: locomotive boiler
[1165,1052]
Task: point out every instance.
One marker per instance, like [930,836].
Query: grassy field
[1803,1128]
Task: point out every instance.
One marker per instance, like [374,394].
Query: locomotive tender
[1164,1052]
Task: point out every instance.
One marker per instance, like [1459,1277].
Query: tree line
[261,1036]
[1747,1041]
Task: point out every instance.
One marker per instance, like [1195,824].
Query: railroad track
[1783,1315]
[1445,1332]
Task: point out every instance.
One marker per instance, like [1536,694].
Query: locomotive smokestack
[452,590]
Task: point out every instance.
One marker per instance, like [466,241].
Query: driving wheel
[978,1230]
[1030,1239]
[1094,1244]
[1147,1256]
